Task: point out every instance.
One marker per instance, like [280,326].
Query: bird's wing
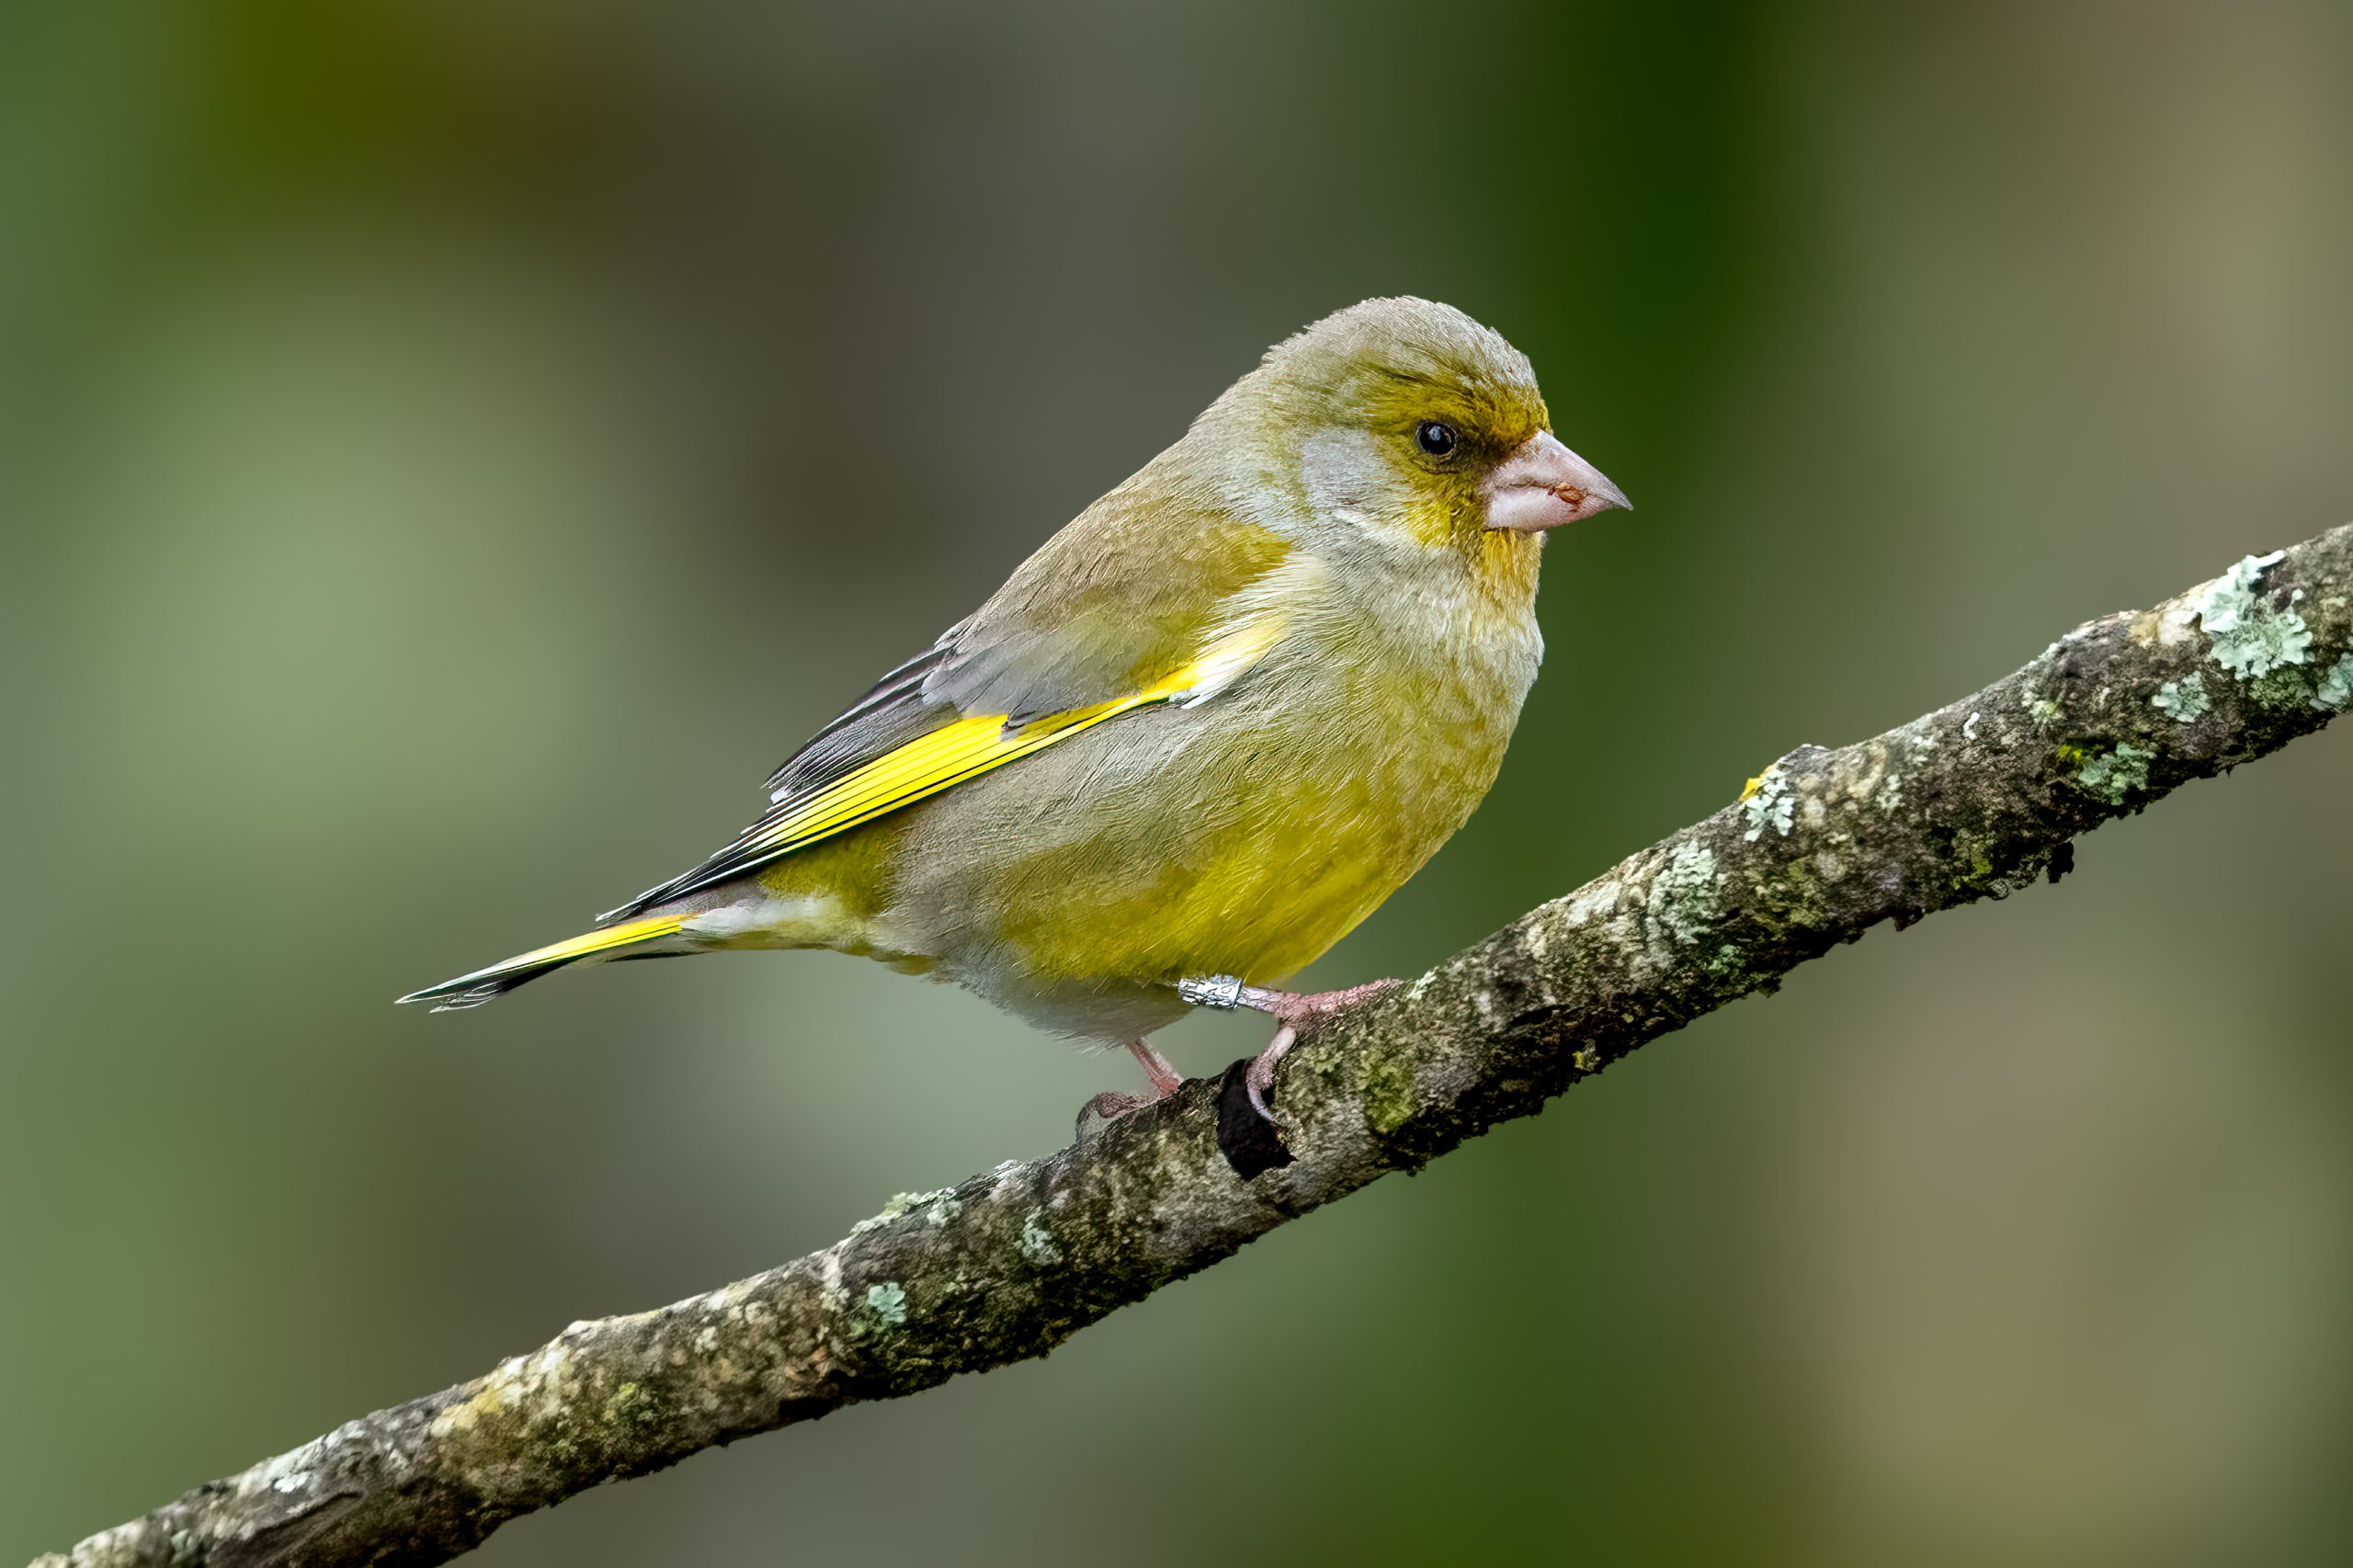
[1086,631]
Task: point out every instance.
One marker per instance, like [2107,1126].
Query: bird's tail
[627,940]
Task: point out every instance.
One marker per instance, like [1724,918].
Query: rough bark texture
[1974,801]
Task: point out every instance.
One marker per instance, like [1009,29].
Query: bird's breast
[1244,835]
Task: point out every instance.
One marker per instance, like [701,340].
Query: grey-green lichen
[1768,804]
[2249,635]
[2184,702]
[900,1203]
[1683,895]
[941,1201]
[1038,1243]
[886,1304]
[2113,775]
[2334,692]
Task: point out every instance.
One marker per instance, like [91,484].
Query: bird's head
[1415,428]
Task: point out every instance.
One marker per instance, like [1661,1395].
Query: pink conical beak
[1544,485]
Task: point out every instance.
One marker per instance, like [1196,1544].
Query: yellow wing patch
[968,747]
[959,749]
[485,984]
[602,938]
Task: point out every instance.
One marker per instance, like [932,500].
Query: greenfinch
[1199,734]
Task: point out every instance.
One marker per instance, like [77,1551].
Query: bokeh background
[449,451]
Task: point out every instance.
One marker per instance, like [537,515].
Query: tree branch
[1974,801]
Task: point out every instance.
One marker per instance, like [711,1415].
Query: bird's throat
[1508,563]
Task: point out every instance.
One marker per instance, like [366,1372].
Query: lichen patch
[2184,702]
[2282,688]
[1768,804]
[2245,633]
[1683,895]
[2334,694]
[886,1304]
[2113,775]
[1038,1244]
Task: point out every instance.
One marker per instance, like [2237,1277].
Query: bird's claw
[1260,1077]
[1109,1106]
[1103,1110]
[1292,1012]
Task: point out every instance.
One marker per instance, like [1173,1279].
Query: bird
[1205,729]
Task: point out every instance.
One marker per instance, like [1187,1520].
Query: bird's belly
[1076,886]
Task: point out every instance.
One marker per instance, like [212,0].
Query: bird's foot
[1291,1010]
[1106,1108]
[1109,1106]
[1260,1078]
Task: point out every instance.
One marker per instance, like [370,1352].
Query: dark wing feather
[892,712]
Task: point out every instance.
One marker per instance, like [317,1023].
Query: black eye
[1436,438]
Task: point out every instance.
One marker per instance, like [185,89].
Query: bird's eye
[1435,439]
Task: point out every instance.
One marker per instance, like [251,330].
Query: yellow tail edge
[489,984]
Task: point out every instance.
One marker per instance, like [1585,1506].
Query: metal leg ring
[1220,991]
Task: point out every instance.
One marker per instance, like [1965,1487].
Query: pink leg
[1157,1068]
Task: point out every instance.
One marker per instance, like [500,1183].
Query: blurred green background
[450,451]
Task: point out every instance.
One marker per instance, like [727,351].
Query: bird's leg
[1111,1104]
[1291,1010]
[1157,1068]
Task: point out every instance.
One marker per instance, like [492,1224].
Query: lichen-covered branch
[1974,801]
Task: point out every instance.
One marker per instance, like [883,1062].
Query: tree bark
[1976,800]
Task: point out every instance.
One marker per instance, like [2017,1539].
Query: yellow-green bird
[1199,734]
